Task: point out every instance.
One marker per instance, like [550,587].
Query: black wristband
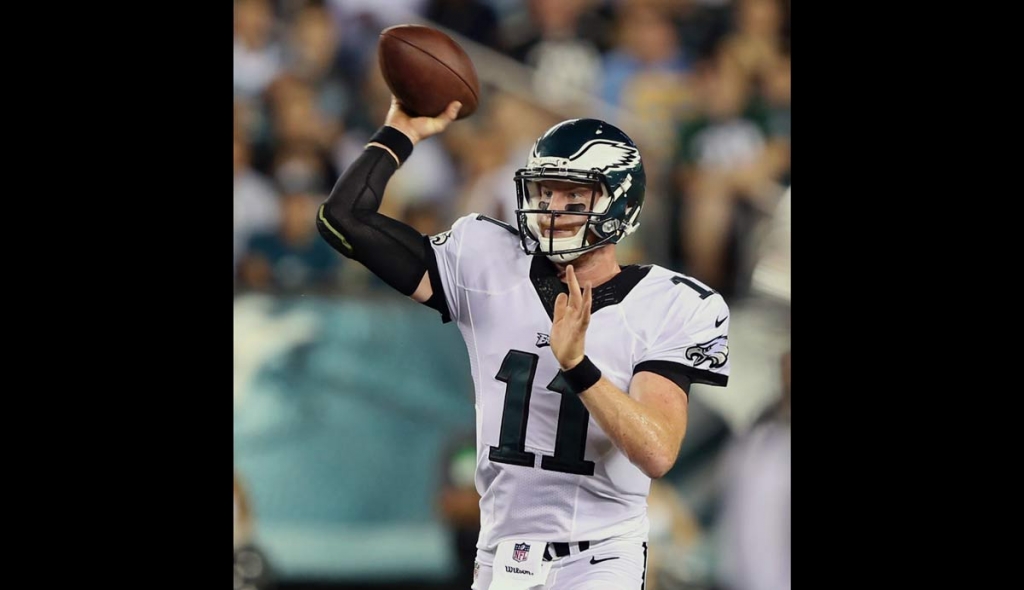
[394,140]
[583,376]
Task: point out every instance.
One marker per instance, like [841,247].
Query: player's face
[556,195]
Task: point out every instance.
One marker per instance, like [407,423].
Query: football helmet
[606,163]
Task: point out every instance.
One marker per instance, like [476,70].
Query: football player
[582,367]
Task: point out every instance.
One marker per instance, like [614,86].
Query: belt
[554,550]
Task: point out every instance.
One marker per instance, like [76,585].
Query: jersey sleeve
[693,342]
[448,247]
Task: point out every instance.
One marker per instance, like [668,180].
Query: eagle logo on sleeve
[441,238]
[714,351]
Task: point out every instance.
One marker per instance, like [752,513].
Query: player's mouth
[563,227]
[558,233]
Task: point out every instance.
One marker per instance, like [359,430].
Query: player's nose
[559,200]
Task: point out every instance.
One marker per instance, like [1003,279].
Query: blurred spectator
[296,115]
[702,24]
[646,42]
[303,167]
[556,42]
[473,19]
[756,44]
[293,257]
[646,76]
[756,511]
[256,206]
[314,55]
[727,174]
[759,48]
[257,57]
[383,13]
[459,504]
[292,118]
[359,23]
[374,96]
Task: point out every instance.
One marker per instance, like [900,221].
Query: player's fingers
[561,302]
[588,300]
[452,111]
[575,297]
[435,125]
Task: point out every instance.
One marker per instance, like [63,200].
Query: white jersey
[545,469]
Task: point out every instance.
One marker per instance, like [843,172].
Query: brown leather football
[426,70]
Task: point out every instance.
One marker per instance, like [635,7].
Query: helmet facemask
[586,210]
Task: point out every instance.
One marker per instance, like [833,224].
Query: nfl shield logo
[521,551]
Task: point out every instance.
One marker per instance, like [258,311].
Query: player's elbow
[332,229]
[662,454]
[657,469]
[656,465]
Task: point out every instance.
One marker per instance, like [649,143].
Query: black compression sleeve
[350,223]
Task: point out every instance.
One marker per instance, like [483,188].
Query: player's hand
[419,128]
[572,316]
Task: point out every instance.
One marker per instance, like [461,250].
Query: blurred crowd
[703,86]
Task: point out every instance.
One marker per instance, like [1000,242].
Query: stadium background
[353,406]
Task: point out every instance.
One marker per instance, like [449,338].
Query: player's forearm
[348,220]
[646,438]
[357,193]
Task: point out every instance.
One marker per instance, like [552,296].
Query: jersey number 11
[517,372]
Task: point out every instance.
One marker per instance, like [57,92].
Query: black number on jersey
[517,372]
[704,290]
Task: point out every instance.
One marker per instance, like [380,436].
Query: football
[426,70]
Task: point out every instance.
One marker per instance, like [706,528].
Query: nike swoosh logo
[719,322]
[595,561]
